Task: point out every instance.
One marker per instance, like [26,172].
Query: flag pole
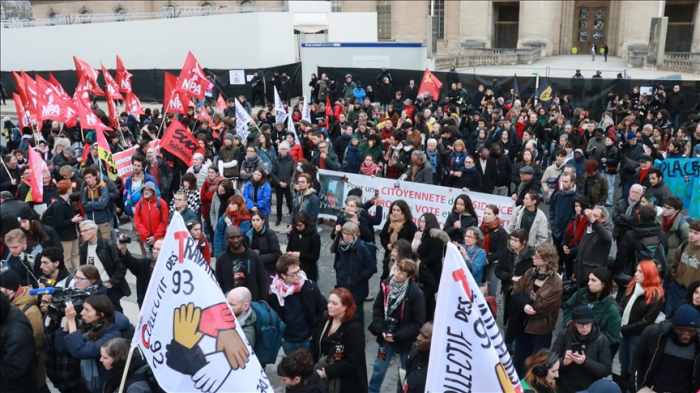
[126,369]
[165,112]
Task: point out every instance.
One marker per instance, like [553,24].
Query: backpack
[140,205]
[269,329]
[144,374]
[651,249]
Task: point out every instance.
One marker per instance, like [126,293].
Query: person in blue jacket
[473,254]
[100,323]
[258,193]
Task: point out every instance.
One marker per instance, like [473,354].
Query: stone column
[539,24]
[635,22]
[476,22]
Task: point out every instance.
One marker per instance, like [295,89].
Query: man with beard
[159,170]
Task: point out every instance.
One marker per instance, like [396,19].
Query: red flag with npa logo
[83,68]
[430,84]
[192,79]
[123,77]
[50,104]
[133,105]
[111,84]
[220,103]
[174,100]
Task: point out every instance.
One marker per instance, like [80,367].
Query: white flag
[305,114]
[243,119]
[280,112]
[467,352]
[290,127]
[186,329]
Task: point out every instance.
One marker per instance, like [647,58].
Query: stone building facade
[556,26]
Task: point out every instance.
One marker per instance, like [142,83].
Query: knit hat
[279,124]
[9,280]
[631,135]
[602,386]
[229,137]
[686,316]
[582,314]
[355,136]
[150,185]
[579,150]
[236,136]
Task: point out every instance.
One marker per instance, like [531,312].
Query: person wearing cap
[151,216]
[666,358]
[527,183]
[349,87]
[630,152]
[578,162]
[641,175]
[585,352]
[20,298]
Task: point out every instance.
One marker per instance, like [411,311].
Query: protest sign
[242,121]
[467,353]
[421,198]
[680,175]
[186,330]
[123,160]
[180,141]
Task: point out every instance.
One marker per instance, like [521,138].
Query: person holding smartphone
[586,352]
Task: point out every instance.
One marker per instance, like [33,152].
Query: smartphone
[376,193]
[576,348]
[347,215]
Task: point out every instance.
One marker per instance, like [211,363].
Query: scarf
[432,157]
[630,206]
[395,226]
[237,217]
[346,246]
[668,223]
[282,290]
[638,291]
[397,291]
[394,153]
[213,185]
[368,170]
[414,169]
[576,229]
[486,229]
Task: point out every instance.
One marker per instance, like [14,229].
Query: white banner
[467,353]
[280,112]
[290,126]
[305,114]
[242,121]
[186,329]
[421,198]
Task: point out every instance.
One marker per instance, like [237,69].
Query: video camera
[61,296]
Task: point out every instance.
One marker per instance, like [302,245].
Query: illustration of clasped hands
[184,354]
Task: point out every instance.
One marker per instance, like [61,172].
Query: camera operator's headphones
[541,370]
[537,275]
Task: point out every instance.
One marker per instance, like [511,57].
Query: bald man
[239,300]
[142,268]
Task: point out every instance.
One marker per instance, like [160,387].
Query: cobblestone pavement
[326,284]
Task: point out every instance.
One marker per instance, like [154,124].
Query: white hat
[6,118]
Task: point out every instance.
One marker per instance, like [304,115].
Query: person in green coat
[598,297]
[180,200]
[373,146]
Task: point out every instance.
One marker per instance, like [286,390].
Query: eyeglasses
[80,279]
[293,274]
[45,302]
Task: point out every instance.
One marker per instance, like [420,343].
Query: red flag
[22,117]
[88,119]
[220,103]
[133,105]
[55,83]
[36,178]
[123,77]
[50,104]
[192,79]
[172,98]
[430,84]
[105,153]
[19,83]
[81,94]
[83,68]
[112,87]
[113,114]
[86,152]
[204,115]
[31,92]
[180,142]
[329,112]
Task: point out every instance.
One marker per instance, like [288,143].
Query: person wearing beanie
[151,217]
[29,305]
[585,350]
[666,359]
[17,374]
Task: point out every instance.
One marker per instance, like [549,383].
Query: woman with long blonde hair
[643,302]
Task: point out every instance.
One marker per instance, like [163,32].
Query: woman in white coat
[532,219]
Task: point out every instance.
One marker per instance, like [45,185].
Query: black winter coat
[626,258]
[308,244]
[108,253]
[346,349]
[354,268]
[313,303]
[489,177]
[649,352]
[254,270]
[59,214]
[641,314]
[469,180]
[466,220]
[284,171]
[416,370]
[141,269]
[504,167]
[18,363]
[410,315]
[431,251]
[268,246]
[407,232]
[598,365]
[507,268]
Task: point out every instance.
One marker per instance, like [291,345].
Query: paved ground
[563,66]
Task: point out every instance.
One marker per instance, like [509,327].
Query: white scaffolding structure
[166,12]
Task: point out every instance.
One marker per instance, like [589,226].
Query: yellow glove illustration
[186,322]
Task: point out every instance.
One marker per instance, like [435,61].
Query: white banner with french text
[186,329]
[421,198]
[467,353]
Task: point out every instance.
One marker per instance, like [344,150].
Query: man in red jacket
[151,217]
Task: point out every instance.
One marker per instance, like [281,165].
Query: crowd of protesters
[640,302]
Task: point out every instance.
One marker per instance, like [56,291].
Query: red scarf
[668,223]
[486,229]
[576,229]
[237,218]
[642,174]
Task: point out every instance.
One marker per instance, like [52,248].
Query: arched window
[208,8]
[86,12]
[54,16]
[121,12]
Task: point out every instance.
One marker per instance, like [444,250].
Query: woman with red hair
[643,302]
[338,346]
[236,214]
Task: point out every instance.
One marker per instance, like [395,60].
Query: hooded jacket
[268,246]
[598,365]
[263,197]
[151,218]
[595,188]
[686,265]
[605,311]
[679,231]
[95,202]
[626,259]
